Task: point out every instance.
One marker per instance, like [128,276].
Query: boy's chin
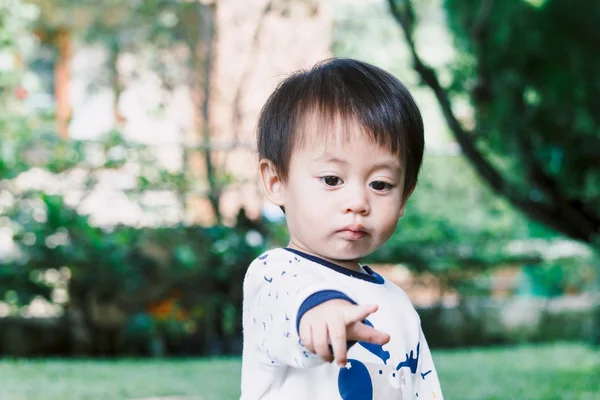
[347,257]
[352,253]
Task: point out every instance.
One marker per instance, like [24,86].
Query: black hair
[343,90]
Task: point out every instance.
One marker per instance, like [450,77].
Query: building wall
[259,42]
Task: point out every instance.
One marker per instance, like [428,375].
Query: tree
[172,38]
[529,70]
[453,223]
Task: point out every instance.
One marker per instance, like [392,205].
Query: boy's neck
[353,265]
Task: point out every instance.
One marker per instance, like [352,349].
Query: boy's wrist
[317,299]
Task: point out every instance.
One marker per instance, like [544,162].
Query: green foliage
[559,277]
[46,180]
[528,69]
[453,222]
[132,269]
[155,31]
[131,265]
[15,43]
[532,73]
[123,266]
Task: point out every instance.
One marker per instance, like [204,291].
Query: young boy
[340,148]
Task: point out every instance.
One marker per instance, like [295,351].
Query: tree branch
[478,28]
[430,78]
[242,87]
[403,13]
[206,15]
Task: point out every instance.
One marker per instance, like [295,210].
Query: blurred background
[130,210]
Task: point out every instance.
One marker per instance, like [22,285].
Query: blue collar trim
[370,276]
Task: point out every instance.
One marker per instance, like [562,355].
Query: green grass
[545,372]
[549,372]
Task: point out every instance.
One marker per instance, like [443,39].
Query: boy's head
[342,91]
[340,148]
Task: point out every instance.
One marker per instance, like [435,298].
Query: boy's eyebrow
[329,158]
[389,165]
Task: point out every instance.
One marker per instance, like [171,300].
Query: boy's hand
[337,321]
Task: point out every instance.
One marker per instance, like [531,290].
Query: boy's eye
[331,180]
[379,185]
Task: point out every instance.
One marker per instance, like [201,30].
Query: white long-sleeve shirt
[280,286]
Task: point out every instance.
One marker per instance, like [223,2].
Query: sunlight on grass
[215,379]
[548,372]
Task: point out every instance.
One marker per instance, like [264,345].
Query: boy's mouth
[353,232]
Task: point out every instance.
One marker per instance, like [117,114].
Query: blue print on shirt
[355,381]
[375,348]
[411,362]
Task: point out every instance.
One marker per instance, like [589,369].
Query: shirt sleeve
[428,384]
[277,293]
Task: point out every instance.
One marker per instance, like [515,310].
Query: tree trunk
[62,76]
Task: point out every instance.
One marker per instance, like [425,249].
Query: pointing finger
[337,335]
[357,313]
[364,333]
[306,336]
[320,339]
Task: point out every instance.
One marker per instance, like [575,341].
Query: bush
[483,321]
[143,288]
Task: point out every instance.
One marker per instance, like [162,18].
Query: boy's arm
[331,327]
[281,296]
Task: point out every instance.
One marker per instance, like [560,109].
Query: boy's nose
[358,203]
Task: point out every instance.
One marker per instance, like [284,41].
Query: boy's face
[342,198]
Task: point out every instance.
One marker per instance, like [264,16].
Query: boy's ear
[405,200]
[271,182]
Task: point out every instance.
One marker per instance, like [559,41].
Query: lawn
[549,372]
